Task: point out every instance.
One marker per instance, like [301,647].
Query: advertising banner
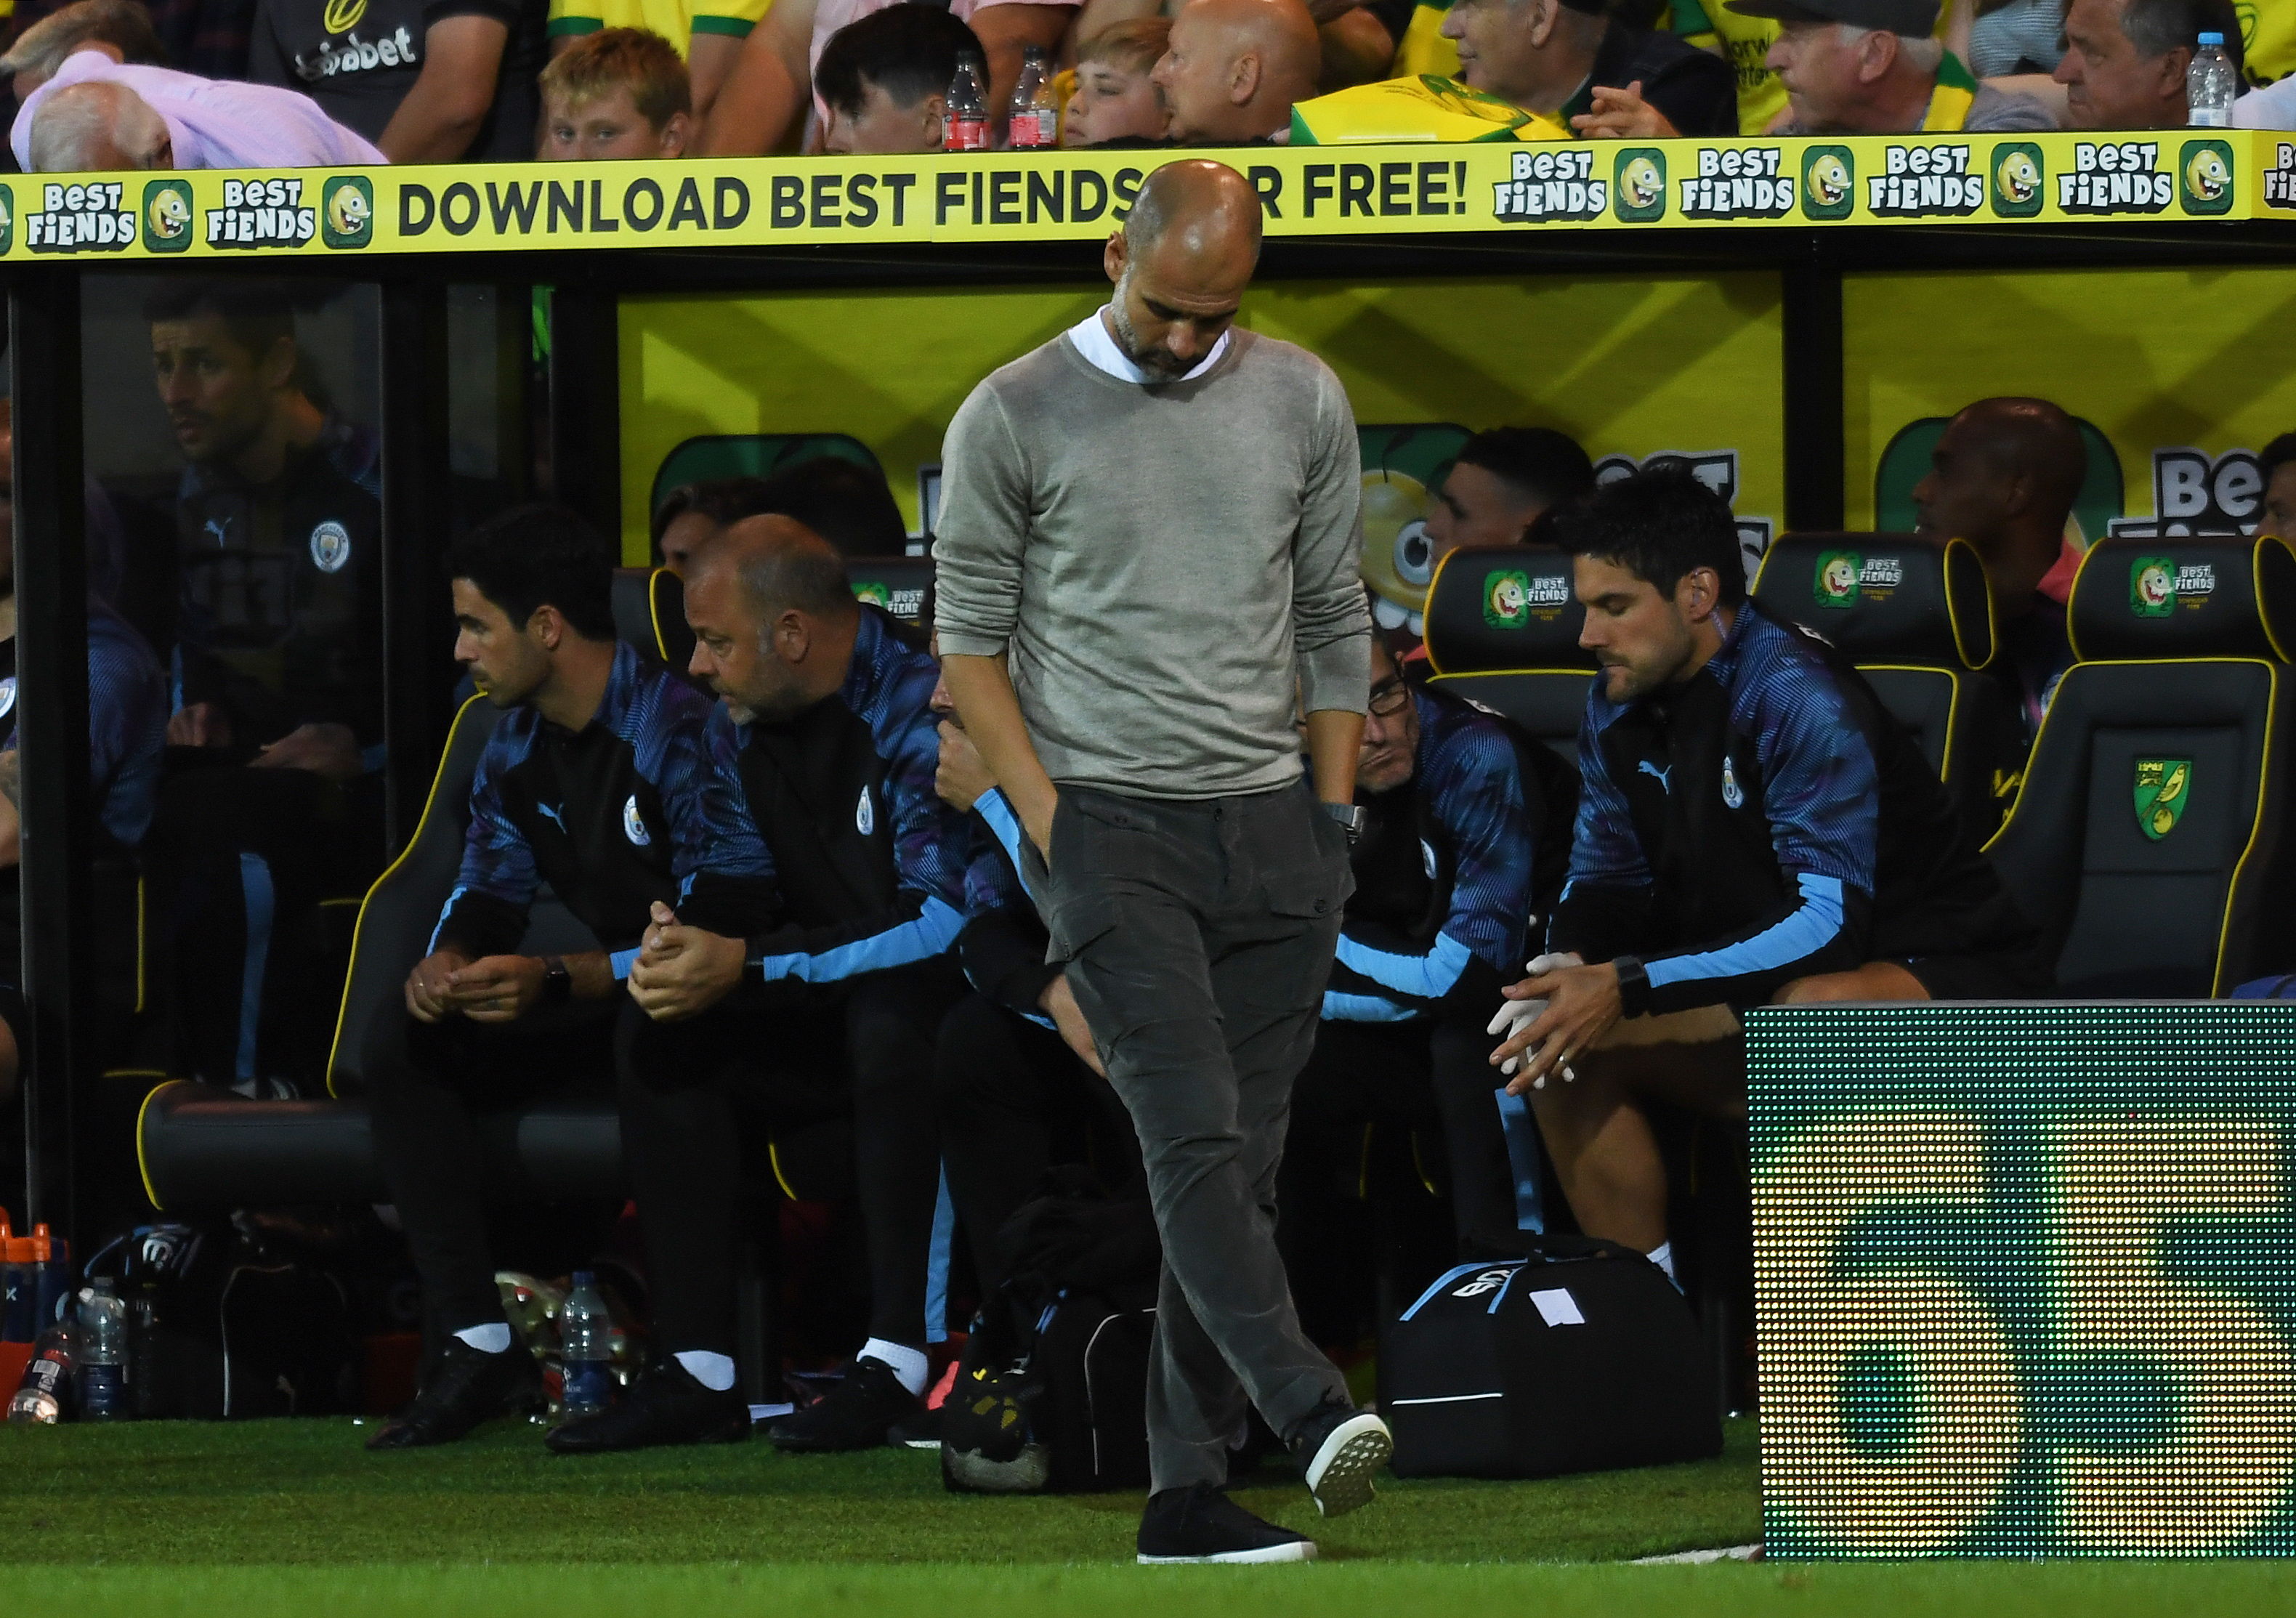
[2022,1273]
[1067,195]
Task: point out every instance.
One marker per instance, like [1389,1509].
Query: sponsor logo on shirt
[1543,186]
[1738,183]
[260,213]
[2116,177]
[1490,1280]
[356,55]
[1925,183]
[81,218]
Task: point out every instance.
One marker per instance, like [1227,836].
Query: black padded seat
[2151,840]
[650,614]
[1503,631]
[1918,618]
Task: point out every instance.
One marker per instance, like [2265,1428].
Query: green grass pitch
[260,1519]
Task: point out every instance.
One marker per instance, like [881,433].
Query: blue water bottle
[586,1349]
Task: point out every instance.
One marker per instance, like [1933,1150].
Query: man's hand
[682,971]
[1058,1002]
[497,988]
[331,751]
[963,776]
[199,724]
[1623,115]
[429,995]
[1582,1004]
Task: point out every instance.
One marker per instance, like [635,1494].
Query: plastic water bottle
[40,1398]
[2211,84]
[103,1352]
[964,127]
[1036,121]
[586,1348]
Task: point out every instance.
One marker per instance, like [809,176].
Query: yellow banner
[1318,191]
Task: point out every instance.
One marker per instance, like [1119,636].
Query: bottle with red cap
[964,126]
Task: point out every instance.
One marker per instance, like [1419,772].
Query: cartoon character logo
[2152,587]
[1507,600]
[1829,180]
[347,211]
[875,594]
[330,547]
[7,219]
[2208,174]
[2020,177]
[168,216]
[1838,574]
[1642,185]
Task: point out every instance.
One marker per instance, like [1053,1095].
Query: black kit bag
[1580,1357]
[222,1324]
[1052,1393]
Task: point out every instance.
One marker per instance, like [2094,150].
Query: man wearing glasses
[1466,836]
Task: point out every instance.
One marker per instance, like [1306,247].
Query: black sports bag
[1580,1357]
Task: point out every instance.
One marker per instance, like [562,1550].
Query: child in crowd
[1114,99]
[619,93]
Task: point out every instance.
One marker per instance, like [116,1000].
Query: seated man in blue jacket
[598,780]
[1753,827]
[827,734]
[1465,833]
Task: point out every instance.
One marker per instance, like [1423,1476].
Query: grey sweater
[1162,562]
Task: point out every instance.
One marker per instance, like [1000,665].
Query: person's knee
[1874,981]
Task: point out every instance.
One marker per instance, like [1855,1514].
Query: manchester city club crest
[634,825]
[1732,796]
[330,547]
[865,814]
[2163,787]
[7,696]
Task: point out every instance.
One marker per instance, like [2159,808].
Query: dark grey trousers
[1198,938]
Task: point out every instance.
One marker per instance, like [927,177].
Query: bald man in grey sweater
[1147,569]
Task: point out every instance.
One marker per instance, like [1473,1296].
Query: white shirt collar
[1092,340]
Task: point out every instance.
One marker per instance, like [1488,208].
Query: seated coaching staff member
[1147,550]
[598,782]
[827,733]
[1458,848]
[1753,827]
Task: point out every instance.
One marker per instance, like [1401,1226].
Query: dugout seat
[1917,620]
[650,614]
[1503,631]
[2151,840]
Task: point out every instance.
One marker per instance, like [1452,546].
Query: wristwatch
[1350,816]
[557,983]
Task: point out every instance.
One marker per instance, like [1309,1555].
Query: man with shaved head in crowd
[1148,535]
[2004,477]
[1234,68]
[827,731]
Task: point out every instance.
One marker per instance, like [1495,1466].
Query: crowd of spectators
[110,84]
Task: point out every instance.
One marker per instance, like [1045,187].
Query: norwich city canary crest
[2163,785]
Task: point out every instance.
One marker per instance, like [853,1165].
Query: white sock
[487,1339]
[909,1364]
[1662,1255]
[712,1371]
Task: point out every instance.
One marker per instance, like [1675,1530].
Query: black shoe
[665,1406]
[918,1430]
[1339,1448]
[1202,1525]
[859,1413]
[461,1388]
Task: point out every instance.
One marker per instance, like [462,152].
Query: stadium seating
[650,614]
[1918,622]
[1503,631]
[2151,839]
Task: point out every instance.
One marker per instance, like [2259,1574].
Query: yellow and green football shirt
[2268,33]
[1744,42]
[675,20]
